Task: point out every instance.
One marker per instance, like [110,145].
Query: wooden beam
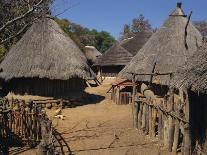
[153,74]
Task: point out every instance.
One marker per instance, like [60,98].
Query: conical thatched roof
[166,48]
[133,45]
[116,55]
[45,52]
[92,54]
[193,74]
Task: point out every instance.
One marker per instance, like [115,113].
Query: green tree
[83,36]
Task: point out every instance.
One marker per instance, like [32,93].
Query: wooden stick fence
[165,118]
[29,123]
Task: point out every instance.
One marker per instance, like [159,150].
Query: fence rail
[29,123]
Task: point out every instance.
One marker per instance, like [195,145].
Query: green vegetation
[84,36]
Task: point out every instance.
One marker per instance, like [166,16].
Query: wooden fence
[165,117]
[29,123]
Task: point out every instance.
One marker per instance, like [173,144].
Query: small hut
[156,109]
[113,61]
[134,44]
[121,89]
[191,80]
[45,62]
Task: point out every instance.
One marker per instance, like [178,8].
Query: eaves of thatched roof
[116,55]
[92,54]
[45,51]
[166,49]
[133,45]
[193,75]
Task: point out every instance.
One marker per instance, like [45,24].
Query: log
[154,116]
[147,120]
[160,126]
[187,138]
[133,101]
[176,136]
[165,131]
[150,120]
[136,115]
[170,133]
[140,115]
[144,117]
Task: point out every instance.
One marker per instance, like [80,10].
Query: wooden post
[176,136]
[134,107]
[170,133]
[140,115]
[147,120]
[187,138]
[170,119]
[150,120]
[144,117]
[160,125]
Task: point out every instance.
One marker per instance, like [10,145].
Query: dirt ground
[103,128]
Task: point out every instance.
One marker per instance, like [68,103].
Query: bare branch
[21,17]
[15,35]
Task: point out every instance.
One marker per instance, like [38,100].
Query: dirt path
[103,128]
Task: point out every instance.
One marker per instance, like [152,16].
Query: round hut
[134,44]
[113,60]
[167,49]
[157,110]
[45,62]
[191,80]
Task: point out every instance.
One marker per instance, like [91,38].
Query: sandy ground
[103,128]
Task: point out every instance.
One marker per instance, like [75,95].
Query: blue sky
[111,15]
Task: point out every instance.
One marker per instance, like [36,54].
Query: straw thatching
[116,55]
[166,48]
[92,54]
[193,75]
[134,44]
[45,52]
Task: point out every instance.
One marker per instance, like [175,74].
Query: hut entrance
[198,122]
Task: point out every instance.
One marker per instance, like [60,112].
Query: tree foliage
[16,17]
[86,37]
[138,25]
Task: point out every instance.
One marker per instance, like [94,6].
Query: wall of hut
[111,71]
[198,120]
[45,87]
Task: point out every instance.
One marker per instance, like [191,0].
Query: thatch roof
[92,54]
[134,44]
[45,51]
[116,55]
[166,48]
[193,75]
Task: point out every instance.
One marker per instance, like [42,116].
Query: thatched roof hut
[44,53]
[193,74]
[113,60]
[134,44]
[166,49]
[92,54]
[116,55]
